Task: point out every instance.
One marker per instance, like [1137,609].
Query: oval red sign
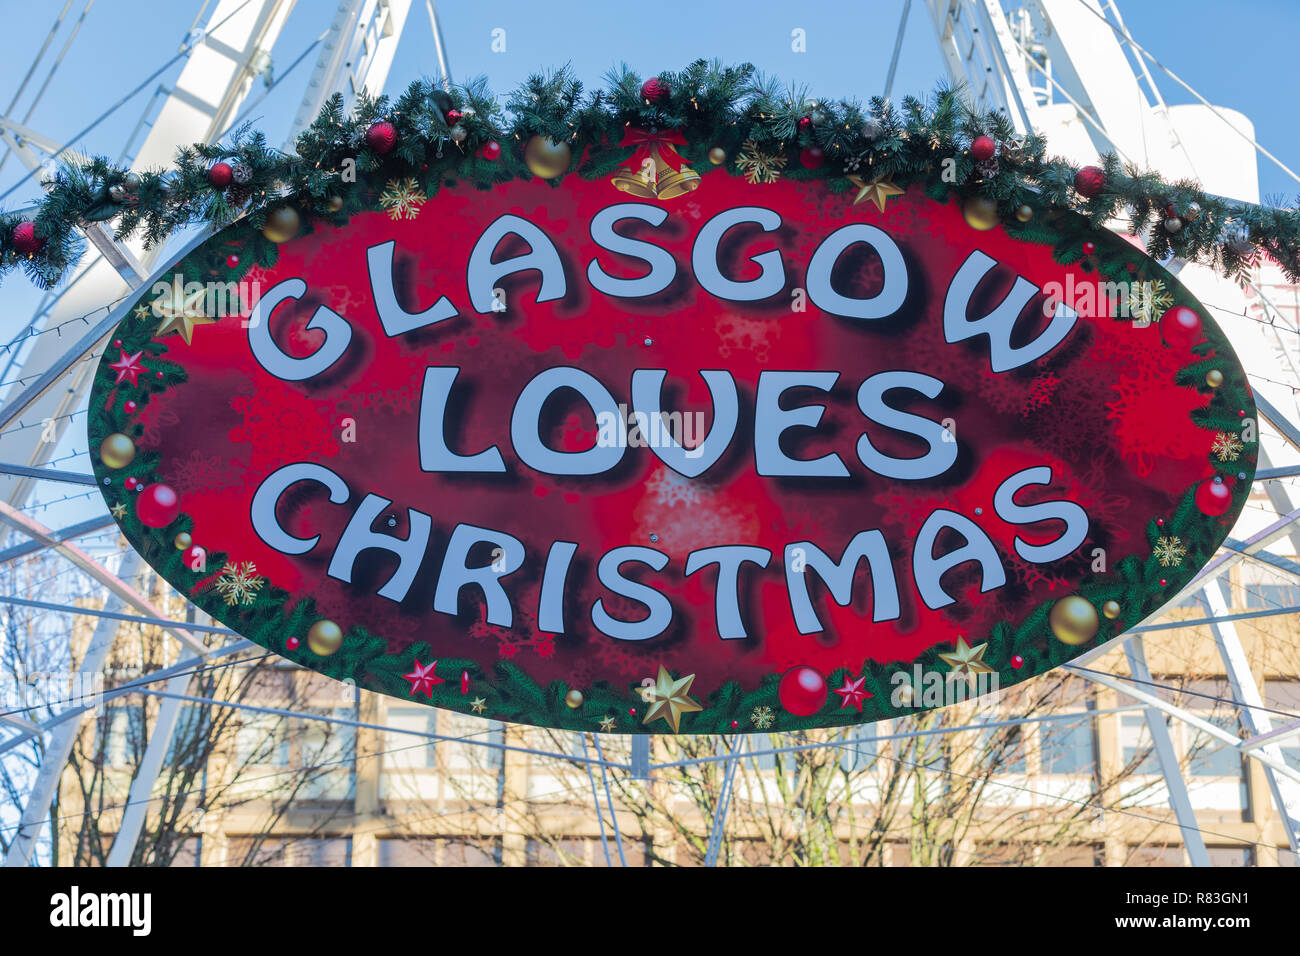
[755,457]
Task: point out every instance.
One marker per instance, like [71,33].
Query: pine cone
[241,173]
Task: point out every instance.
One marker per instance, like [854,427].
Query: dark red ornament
[490,150]
[25,240]
[982,148]
[802,690]
[454,117]
[292,643]
[811,157]
[232,260]
[805,122]
[464,675]
[1089,247]
[381,137]
[117,343]
[1017,661]
[1180,326]
[157,506]
[129,407]
[221,175]
[654,90]
[130,483]
[1164,583]
[1214,496]
[735,724]
[1089,181]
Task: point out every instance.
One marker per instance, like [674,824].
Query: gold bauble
[574,699]
[117,451]
[980,213]
[282,224]
[1074,620]
[324,638]
[547,159]
[1111,609]
[1024,213]
[1214,378]
[182,541]
[717,155]
[336,203]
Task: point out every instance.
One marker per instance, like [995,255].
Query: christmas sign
[676,443]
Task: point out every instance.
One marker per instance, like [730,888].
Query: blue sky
[1239,55]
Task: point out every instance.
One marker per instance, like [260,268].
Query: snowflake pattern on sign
[239,583]
[758,166]
[762,717]
[1227,447]
[1147,301]
[403,198]
[1169,552]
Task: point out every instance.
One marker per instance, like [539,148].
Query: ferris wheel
[1066,69]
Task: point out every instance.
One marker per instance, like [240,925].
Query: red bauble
[25,240]
[129,407]
[1089,181]
[1214,497]
[130,483]
[157,506]
[454,117]
[1089,247]
[195,558]
[381,137]
[490,150]
[802,690]
[292,643]
[1180,326]
[221,175]
[232,260]
[811,157]
[1017,661]
[982,148]
[654,90]
[805,122]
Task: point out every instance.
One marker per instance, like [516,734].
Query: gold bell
[679,182]
[643,183]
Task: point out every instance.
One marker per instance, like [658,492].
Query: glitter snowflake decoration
[239,583]
[758,166]
[402,198]
[1147,301]
[1227,447]
[762,717]
[1169,552]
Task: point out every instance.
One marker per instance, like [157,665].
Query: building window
[1135,739]
[1066,746]
[405,751]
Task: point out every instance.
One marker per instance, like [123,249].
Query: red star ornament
[423,678]
[853,692]
[128,366]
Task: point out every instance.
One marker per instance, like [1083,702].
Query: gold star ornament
[180,312]
[118,511]
[478,705]
[878,190]
[607,725]
[670,699]
[967,660]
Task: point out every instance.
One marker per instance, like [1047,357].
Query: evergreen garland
[710,103]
